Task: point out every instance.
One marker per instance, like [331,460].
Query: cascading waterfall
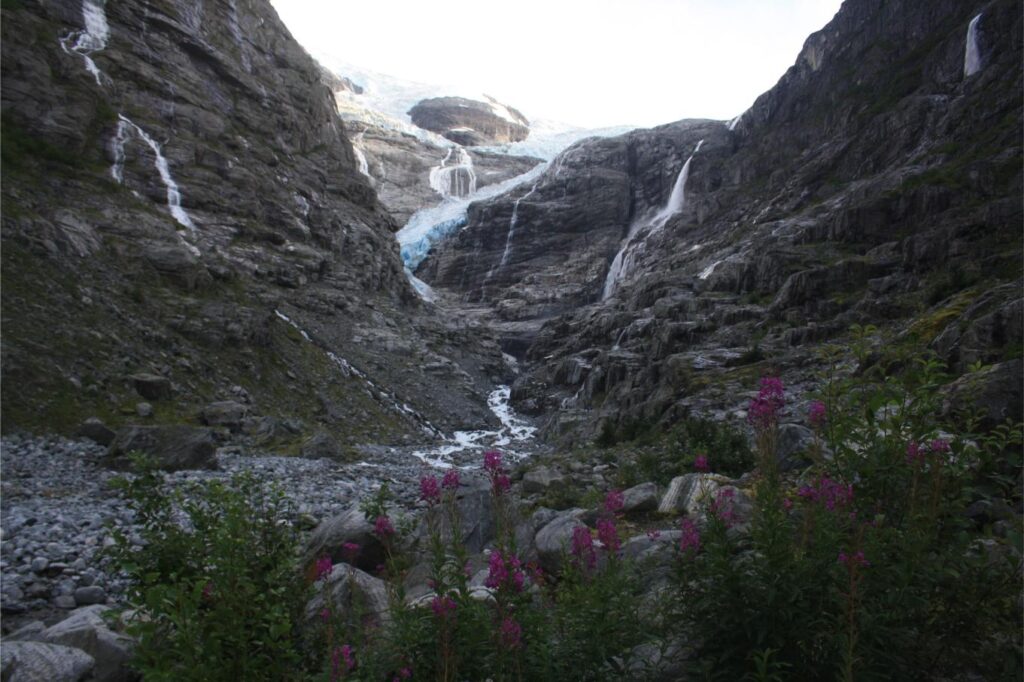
[972,55]
[92,39]
[124,127]
[706,272]
[458,180]
[735,122]
[623,261]
[512,225]
[363,164]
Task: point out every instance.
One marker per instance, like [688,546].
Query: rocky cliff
[469,122]
[877,183]
[181,202]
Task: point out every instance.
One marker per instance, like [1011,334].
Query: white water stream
[623,261]
[457,180]
[92,39]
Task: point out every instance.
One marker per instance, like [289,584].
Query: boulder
[95,430]
[640,498]
[554,540]
[470,122]
[172,448]
[37,661]
[792,444]
[152,386]
[994,393]
[226,413]
[348,590]
[686,493]
[86,629]
[320,446]
[540,479]
[351,526]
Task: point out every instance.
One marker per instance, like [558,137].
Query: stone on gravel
[227,413]
[347,587]
[321,446]
[152,386]
[84,596]
[86,629]
[685,493]
[540,479]
[96,431]
[554,539]
[172,447]
[352,526]
[37,661]
[640,498]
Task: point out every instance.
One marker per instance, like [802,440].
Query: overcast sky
[591,63]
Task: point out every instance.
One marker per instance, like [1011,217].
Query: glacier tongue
[429,225]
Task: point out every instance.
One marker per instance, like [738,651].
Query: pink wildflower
[450,480]
[323,567]
[915,453]
[430,492]
[504,570]
[938,445]
[583,547]
[614,501]
[653,534]
[690,539]
[349,550]
[511,633]
[383,528]
[830,494]
[787,504]
[700,463]
[608,535]
[442,606]
[325,614]
[855,559]
[817,414]
[492,461]
[500,484]
[763,412]
[723,507]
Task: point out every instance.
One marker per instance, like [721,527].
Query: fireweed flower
[915,453]
[939,446]
[450,480]
[430,492]
[583,547]
[700,463]
[830,494]
[855,559]
[690,539]
[442,606]
[323,567]
[505,570]
[325,614]
[817,414]
[763,412]
[383,528]
[500,483]
[349,550]
[608,535]
[511,634]
[614,501]
[492,461]
[723,507]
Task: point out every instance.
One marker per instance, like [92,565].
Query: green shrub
[868,568]
[216,581]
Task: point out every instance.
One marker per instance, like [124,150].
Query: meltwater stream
[92,39]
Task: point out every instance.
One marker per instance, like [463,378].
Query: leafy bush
[869,567]
[215,580]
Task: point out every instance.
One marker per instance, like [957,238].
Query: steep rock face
[469,122]
[180,199]
[876,183]
[544,249]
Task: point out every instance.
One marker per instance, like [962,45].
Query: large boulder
[96,431]
[86,629]
[554,540]
[172,448]
[686,493]
[640,498]
[350,527]
[347,590]
[38,661]
[152,386]
[226,413]
[993,393]
[540,479]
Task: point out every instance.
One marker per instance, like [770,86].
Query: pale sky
[590,63]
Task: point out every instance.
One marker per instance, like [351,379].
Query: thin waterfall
[92,39]
[458,180]
[972,55]
[124,127]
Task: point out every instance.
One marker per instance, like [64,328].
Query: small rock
[144,409]
[65,601]
[96,431]
[92,594]
[152,386]
[640,498]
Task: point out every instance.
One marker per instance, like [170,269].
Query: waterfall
[124,127]
[512,225]
[458,180]
[706,272]
[92,39]
[735,122]
[363,164]
[972,56]
[623,261]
